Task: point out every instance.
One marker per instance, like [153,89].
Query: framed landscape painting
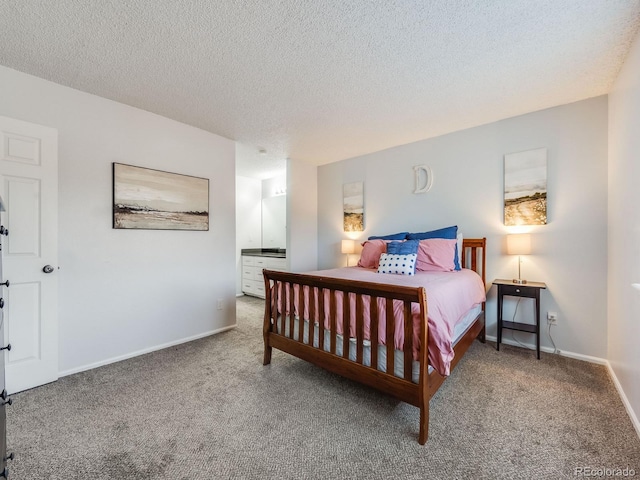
[155,200]
[353,206]
[525,188]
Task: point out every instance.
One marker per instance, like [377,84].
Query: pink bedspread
[449,296]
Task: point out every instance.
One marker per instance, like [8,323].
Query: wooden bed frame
[402,388]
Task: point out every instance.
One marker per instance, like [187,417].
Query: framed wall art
[155,200]
[353,206]
[525,188]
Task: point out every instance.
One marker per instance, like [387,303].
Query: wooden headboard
[474,249]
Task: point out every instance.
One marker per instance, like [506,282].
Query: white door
[29,187]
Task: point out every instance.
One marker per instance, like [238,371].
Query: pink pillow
[436,255]
[371,251]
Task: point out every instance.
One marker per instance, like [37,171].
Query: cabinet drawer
[518,290]
[260,262]
[257,274]
[247,272]
[253,287]
[247,260]
[249,286]
[277,263]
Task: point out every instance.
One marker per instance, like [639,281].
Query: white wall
[302,211]
[248,220]
[126,291]
[624,229]
[569,253]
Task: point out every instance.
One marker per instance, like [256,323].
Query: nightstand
[527,290]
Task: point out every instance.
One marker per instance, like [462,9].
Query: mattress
[460,329]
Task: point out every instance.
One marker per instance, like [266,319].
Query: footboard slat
[408,341]
[390,327]
[301,314]
[346,316]
[359,328]
[332,315]
[321,318]
[292,314]
[312,314]
[373,308]
[283,302]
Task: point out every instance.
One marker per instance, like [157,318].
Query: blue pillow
[449,233]
[403,248]
[393,236]
[398,264]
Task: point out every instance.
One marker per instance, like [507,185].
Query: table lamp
[348,247]
[519,244]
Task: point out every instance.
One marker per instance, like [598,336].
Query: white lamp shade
[348,246]
[519,244]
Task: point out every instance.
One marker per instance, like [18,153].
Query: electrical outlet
[552,317]
[219,304]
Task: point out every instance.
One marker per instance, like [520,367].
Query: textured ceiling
[324,80]
[251,162]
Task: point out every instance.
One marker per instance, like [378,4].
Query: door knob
[47,269]
[8,347]
[4,231]
[6,284]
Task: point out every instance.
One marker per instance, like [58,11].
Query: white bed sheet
[460,329]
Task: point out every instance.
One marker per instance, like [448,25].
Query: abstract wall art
[525,188]
[353,206]
[155,200]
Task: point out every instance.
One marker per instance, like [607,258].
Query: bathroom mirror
[274,222]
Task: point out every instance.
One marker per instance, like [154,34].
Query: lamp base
[519,281]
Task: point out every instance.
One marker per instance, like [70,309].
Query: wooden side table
[527,290]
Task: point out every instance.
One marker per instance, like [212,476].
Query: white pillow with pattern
[398,264]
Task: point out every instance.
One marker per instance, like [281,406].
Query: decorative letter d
[426,184]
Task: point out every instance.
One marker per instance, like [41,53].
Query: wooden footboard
[288,293]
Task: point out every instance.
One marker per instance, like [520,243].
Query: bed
[306,315]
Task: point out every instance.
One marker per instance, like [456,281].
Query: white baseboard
[586,358]
[562,353]
[102,363]
[625,400]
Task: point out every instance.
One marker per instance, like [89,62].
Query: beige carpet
[209,409]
